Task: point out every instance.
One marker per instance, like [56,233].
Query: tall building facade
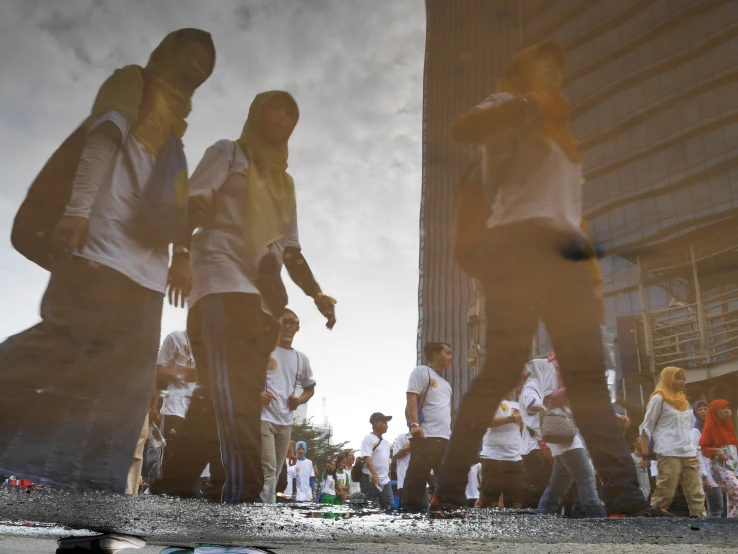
[654,90]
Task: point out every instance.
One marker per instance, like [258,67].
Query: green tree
[316,438]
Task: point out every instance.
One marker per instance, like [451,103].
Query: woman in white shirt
[713,492]
[668,421]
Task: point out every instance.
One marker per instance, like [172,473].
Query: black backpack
[357,470]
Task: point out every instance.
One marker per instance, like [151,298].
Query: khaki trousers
[672,471]
[275,441]
[134,474]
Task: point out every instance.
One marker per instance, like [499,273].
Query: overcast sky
[354,66]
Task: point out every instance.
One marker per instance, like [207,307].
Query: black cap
[379,416]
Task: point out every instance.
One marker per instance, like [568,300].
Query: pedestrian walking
[429,414]
[401,458]
[713,492]
[375,453]
[502,463]
[532,179]
[536,465]
[718,443]
[287,370]
[242,201]
[84,374]
[668,422]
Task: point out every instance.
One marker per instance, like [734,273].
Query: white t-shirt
[115,209]
[472,483]
[379,451]
[286,368]
[329,485]
[402,441]
[291,475]
[176,354]
[436,408]
[303,473]
[543,185]
[503,443]
[671,429]
[218,255]
[343,478]
[529,398]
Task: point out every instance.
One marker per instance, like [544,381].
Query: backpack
[51,190]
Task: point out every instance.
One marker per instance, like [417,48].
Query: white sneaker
[107,543]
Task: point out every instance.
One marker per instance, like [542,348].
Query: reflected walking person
[532,263]
[83,377]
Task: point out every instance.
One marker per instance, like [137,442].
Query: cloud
[355,68]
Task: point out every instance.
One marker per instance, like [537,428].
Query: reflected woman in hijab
[242,202]
[668,423]
[535,263]
[720,445]
[713,492]
[81,379]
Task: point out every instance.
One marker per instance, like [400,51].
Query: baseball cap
[379,416]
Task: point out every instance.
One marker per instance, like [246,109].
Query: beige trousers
[672,471]
[134,474]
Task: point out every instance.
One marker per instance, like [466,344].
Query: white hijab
[542,377]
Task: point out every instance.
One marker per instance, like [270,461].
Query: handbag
[557,427]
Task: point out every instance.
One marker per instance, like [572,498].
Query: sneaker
[107,543]
[177,550]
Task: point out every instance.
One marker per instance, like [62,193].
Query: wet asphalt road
[168,521]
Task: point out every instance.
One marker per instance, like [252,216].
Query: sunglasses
[290,321]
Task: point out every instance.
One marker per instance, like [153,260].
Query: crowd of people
[212,416]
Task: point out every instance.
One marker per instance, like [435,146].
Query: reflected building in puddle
[654,91]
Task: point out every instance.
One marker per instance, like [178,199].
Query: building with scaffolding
[654,91]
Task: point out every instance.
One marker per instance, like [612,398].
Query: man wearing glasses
[287,370]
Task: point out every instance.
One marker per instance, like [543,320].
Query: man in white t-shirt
[502,462]
[401,457]
[177,376]
[287,369]
[429,414]
[375,451]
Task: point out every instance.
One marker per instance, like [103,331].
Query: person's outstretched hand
[179,281]
[69,236]
[327,307]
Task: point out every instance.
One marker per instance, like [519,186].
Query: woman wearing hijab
[668,422]
[713,492]
[242,201]
[535,259]
[540,378]
[83,377]
[718,443]
[304,475]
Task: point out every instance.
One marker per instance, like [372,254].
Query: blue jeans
[571,467]
[385,498]
[714,497]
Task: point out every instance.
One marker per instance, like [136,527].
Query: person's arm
[369,463]
[296,401]
[653,410]
[514,417]
[412,413]
[499,110]
[558,399]
[401,453]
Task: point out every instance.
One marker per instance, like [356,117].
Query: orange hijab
[519,80]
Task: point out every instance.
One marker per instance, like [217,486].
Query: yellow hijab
[165,108]
[666,388]
[270,198]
